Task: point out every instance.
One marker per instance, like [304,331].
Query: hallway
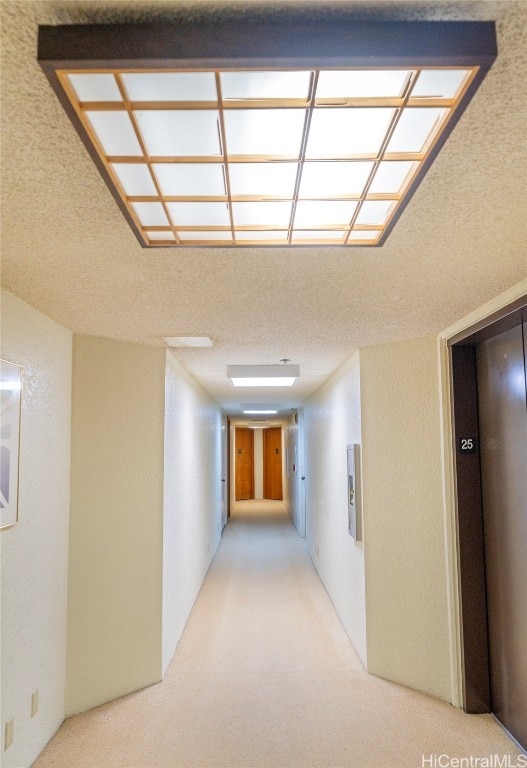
[265,677]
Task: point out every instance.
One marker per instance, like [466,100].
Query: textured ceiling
[67,250]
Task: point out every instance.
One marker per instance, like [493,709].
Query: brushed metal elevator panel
[502,403]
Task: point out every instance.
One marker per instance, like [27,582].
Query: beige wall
[407,611]
[332,419]
[115,574]
[34,553]
[192,521]
[258,464]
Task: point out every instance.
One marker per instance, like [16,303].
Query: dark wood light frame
[212,43]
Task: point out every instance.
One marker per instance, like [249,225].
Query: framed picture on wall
[10,398]
[354,495]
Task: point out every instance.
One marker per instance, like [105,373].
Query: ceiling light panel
[241,86]
[190,179]
[270,147]
[353,84]
[179,133]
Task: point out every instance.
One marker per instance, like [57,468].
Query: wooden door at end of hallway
[272,450]
[244,463]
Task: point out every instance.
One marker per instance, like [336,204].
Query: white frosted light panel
[199,214]
[263,178]
[321,234]
[264,131]
[185,133]
[95,87]
[374,212]
[362,84]
[265,85]
[190,179]
[415,128]
[391,175]
[439,83]
[365,234]
[135,178]
[282,381]
[316,213]
[261,214]
[260,413]
[160,235]
[334,179]
[115,133]
[170,86]
[347,132]
[207,235]
[262,235]
[150,214]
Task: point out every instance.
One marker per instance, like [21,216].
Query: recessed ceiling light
[260,412]
[188,341]
[306,133]
[263,375]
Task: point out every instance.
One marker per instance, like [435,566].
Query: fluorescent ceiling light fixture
[263,375]
[265,132]
[261,412]
[188,341]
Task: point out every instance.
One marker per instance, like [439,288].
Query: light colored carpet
[265,677]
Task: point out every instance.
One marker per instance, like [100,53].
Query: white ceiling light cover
[362,84]
[265,85]
[273,132]
[263,375]
[265,157]
[190,179]
[173,133]
[170,86]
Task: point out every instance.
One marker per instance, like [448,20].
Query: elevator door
[502,402]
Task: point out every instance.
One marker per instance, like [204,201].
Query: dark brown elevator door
[502,402]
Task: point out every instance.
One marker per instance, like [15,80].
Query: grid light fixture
[265,131]
[263,375]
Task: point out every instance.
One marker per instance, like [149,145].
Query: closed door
[502,401]
[273,463]
[244,466]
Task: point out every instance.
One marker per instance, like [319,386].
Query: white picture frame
[10,402]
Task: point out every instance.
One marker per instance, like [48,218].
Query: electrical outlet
[34,703]
[9,733]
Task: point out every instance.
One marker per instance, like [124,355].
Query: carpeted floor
[265,677]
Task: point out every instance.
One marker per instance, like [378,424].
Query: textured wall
[114,606]
[192,497]
[35,552]
[404,525]
[332,419]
